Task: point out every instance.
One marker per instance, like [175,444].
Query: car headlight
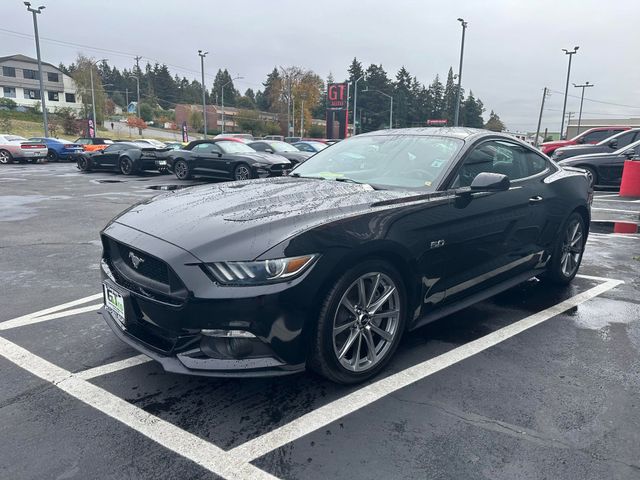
[260,272]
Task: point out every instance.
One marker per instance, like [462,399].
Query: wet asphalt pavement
[560,400]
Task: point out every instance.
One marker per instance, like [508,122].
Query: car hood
[556,144]
[586,158]
[262,157]
[242,220]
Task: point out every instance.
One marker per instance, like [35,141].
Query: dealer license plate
[114,302]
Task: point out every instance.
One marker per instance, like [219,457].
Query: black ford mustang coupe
[328,267]
[225,159]
[127,158]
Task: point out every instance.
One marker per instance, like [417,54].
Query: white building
[19,81]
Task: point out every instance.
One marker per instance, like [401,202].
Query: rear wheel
[5,157]
[126,166]
[182,171]
[568,250]
[242,172]
[52,156]
[83,163]
[360,323]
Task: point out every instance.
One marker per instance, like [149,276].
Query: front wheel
[360,323]
[567,252]
[52,156]
[126,166]
[242,172]
[83,163]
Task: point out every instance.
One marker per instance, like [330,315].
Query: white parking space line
[57,308]
[354,401]
[190,446]
[113,367]
[631,236]
[24,321]
[597,199]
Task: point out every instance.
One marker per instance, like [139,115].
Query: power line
[599,101]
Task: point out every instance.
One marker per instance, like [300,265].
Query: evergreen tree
[449,98]
[436,99]
[494,123]
[230,93]
[472,112]
[375,107]
[403,98]
[272,91]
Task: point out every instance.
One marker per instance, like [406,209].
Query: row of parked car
[600,151]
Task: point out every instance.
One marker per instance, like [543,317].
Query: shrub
[8,103]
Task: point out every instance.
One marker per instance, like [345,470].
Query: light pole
[302,119]
[36,11]
[390,98]
[93,94]
[355,101]
[583,86]
[457,113]
[237,77]
[204,101]
[566,88]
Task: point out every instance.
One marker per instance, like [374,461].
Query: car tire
[52,156]
[349,323]
[83,163]
[5,157]
[593,176]
[567,251]
[181,170]
[126,166]
[242,172]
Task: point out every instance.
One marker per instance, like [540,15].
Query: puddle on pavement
[106,181]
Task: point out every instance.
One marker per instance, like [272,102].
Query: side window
[206,148]
[304,147]
[259,146]
[113,149]
[595,137]
[497,156]
[625,139]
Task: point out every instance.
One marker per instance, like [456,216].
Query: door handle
[534,200]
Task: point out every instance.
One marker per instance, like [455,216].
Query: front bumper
[168,327]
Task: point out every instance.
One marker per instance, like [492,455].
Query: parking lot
[538,382]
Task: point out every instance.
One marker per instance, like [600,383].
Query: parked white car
[14,148]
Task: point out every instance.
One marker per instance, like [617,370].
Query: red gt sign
[438,122]
[337,95]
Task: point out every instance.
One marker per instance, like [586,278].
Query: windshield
[635,146]
[234,147]
[15,138]
[405,161]
[317,145]
[282,147]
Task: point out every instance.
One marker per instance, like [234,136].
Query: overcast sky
[513,47]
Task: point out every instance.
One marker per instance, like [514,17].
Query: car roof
[454,132]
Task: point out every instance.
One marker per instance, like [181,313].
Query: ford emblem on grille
[135,260]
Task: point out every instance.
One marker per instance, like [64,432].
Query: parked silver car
[14,148]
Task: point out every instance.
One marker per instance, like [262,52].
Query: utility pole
[355,101]
[126,96]
[566,88]
[583,86]
[569,115]
[36,11]
[457,113]
[204,98]
[544,96]
[135,77]
[302,119]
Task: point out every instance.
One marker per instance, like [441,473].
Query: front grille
[152,278]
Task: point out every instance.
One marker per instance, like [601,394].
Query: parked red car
[592,136]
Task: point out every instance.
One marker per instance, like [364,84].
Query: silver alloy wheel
[571,248]
[4,157]
[181,169]
[242,173]
[366,322]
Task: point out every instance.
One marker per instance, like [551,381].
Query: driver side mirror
[613,144]
[629,153]
[490,182]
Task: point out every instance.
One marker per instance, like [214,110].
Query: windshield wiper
[297,175]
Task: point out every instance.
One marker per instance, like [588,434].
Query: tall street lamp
[204,89]
[571,53]
[390,98]
[583,86]
[237,77]
[93,94]
[457,113]
[36,11]
[355,102]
